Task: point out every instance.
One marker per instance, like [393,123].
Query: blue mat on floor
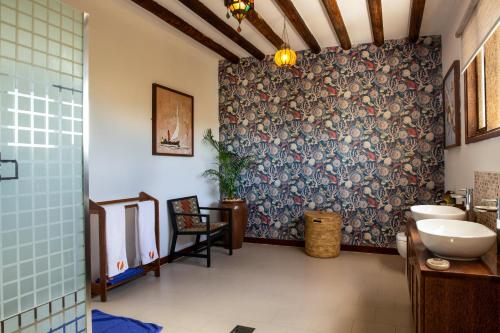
[129,273]
[106,323]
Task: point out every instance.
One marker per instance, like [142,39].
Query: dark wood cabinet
[463,299]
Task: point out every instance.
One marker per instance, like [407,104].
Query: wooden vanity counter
[464,298]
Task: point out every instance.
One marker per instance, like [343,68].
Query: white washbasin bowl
[423,212]
[455,239]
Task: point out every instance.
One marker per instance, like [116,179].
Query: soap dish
[438,264]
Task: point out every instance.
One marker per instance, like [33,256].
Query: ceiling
[395,14]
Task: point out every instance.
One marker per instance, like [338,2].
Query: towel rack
[96,208]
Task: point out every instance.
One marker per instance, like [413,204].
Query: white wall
[129,50]
[462,161]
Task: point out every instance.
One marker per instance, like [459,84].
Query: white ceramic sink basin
[455,239]
[423,212]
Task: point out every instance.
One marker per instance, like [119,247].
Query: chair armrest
[216,208]
[228,210]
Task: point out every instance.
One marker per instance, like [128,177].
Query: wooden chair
[186,219]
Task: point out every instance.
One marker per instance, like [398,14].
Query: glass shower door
[42,258]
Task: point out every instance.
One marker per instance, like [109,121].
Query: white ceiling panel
[396,18]
[438,14]
[273,15]
[356,19]
[314,15]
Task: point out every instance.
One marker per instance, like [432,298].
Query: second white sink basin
[455,239]
[423,212]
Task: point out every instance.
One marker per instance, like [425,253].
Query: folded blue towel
[129,273]
[106,323]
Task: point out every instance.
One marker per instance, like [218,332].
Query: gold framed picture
[173,122]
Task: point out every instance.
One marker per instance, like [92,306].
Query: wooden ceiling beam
[293,15]
[335,16]
[181,25]
[205,13]
[416,15]
[375,10]
[258,22]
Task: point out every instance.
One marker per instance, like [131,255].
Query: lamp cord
[285,34]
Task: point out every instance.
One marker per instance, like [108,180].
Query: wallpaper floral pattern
[358,132]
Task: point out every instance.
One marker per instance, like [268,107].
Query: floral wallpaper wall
[358,132]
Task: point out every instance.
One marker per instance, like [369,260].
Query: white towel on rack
[146,251]
[115,239]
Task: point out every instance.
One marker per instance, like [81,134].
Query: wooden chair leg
[208,249]
[171,255]
[197,243]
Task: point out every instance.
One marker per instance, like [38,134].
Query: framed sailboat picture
[173,117]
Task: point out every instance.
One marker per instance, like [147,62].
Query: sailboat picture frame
[173,122]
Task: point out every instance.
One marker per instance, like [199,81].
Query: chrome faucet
[468,199]
[468,196]
[496,209]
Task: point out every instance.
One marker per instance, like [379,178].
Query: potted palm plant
[228,168]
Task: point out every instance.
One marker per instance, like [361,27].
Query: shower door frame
[86,143]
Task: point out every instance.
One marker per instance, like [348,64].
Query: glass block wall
[42,276]
[63,315]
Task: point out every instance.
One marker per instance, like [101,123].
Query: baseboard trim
[299,243]
[370,249]
[269,241]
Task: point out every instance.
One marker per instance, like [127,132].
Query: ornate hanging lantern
[285,56]
[239,9]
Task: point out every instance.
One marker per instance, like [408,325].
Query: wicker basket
[323,234]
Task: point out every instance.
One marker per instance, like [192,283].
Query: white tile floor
[274,289]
